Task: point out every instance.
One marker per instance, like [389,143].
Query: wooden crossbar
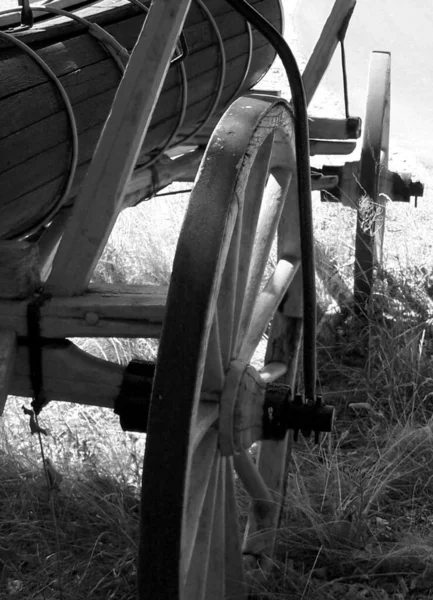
[98,204]
[326,46]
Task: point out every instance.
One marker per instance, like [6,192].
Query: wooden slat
[253,195]
[106,311]
[272,205]
[102,193]
[8,344]
[325,47]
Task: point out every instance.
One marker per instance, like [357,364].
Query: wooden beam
[19,270]
[101,197]
[334,129]
[105,311]
[142,185]
[8,346]
[70,375]
[326,45]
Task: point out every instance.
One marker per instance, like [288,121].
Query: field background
[359,519]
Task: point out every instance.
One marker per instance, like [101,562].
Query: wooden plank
[97,206]
[8,344]
[44,99]
[105,311]
[19,269]
[325,47]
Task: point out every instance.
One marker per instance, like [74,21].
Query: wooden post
[100,200]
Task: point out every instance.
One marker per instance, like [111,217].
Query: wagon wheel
[373,167]
[217,312]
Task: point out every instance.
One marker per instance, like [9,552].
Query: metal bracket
[280,413]
[133,402]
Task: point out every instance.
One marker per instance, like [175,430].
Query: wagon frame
[203,403]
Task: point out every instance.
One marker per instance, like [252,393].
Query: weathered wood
[8,344]
[41,136]
[97,207]
[70,375]
[19,269]
[331,147]
[144,183]
[325,47]
[105,311]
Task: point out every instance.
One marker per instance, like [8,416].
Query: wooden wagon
[101,106]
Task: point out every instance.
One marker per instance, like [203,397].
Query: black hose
[304,184]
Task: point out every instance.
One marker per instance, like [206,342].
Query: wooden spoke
[215,583]
[266,305]
[213,378]
[234,575]
[270,213]
[253,194]
[251,478]
[198,526]
[190,545]
[227,295]
[273,371]
[207,416]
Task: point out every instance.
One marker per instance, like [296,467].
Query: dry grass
[357,523]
